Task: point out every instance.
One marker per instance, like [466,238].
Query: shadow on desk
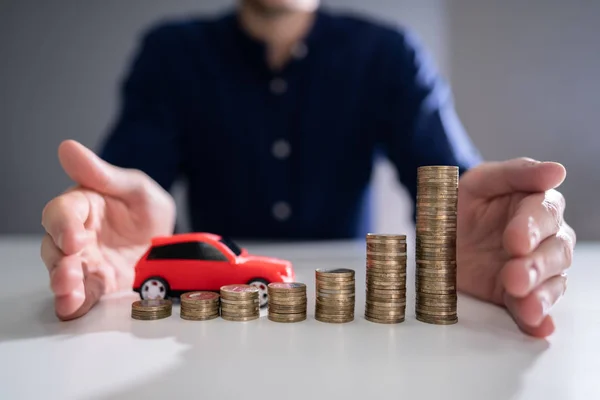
[475,359]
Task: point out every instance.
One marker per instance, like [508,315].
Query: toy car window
[232,245]
[209,252]
[176,251]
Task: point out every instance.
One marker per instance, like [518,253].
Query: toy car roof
[185,237]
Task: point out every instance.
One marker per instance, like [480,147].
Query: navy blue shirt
[283,154]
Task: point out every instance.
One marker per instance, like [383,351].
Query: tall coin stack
[336,291]
[151,309]
[287,302]
[239,303]
[199,306]
[386,278]
[437,201]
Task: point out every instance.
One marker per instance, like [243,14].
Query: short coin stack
[151,309]
[335,295]
[437,200]
[287,302]
[199,306]
[386,278]
[239,303]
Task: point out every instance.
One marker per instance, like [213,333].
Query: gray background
[524,78]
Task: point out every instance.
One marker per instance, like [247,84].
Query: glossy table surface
[107,355]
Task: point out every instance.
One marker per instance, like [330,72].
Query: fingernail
[533,275]
[59,242]
[546,306]
[534,237]
[534,233]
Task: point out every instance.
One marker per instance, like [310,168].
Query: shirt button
[282,211]
[299,51]
[278,86]
[281,149]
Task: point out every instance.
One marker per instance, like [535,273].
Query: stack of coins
[437,201]
[239,303]
[386,278]
[335,295]
[287,302]
[151,309]
[199,306]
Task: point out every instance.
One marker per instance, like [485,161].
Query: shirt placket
[281,90]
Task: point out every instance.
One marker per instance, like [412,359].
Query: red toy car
[203,261]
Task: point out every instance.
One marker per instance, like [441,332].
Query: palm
[119,234]
[480,251]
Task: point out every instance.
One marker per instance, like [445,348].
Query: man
[273,114]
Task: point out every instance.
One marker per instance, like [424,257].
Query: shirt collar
[256,49]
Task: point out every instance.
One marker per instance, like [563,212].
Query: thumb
[517,175]
[88,170]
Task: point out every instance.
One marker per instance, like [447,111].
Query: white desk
[107,355]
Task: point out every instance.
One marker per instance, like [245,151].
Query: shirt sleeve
[420,124]
[145,134]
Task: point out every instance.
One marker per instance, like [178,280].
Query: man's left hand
[513,245]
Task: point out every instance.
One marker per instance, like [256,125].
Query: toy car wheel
[263,292]
[154,288]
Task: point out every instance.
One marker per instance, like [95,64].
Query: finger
[80,301]
[67,276]
[531,310]
[520,276]
[50,253]
[537,217]
[90,171]
[64,219]
[545,329]
[517,175]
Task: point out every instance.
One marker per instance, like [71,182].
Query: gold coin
[385,237]
[240,319]
[398,246]
[378,313]
[386,285]
[334,306]
[398,285]
[439,297]
[428,272]
[436,264]
[383,304]
[287,318]
[385,292]
[386,277]
[433,290]
[333,296]
[400,269]
[388,298]
[200,297]
[440,281]
[437,313]
[384,321]
[436,321]
[287,301]
[290,312]
[386,265]
[335,273]
[287,287]
[334,320]
[202,311]
[151,305]
[234,292]
[199,317]
[327,301]
[389,279]
[436,310]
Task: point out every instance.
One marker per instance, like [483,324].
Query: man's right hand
[97,230]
